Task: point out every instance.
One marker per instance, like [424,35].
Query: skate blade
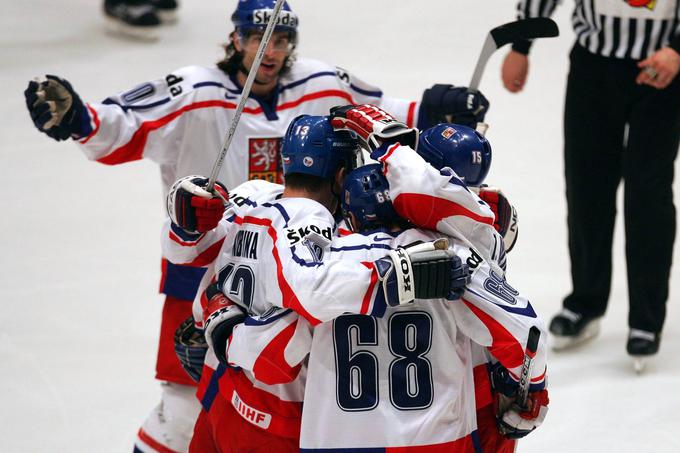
[639,364]
[169,17]
[590,331]
[147,34]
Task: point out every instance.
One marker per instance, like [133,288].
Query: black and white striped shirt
[631,29]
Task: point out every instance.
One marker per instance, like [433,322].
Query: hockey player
[180,121]
[368,394]
[288,238]
[406,380]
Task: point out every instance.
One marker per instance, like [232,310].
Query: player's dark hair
[308,183]
[233,60]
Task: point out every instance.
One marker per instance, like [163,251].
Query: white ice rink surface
[79,270]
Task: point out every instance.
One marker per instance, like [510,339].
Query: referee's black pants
[602,99]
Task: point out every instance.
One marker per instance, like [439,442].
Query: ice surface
[80,241]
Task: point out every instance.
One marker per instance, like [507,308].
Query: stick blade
[520,30]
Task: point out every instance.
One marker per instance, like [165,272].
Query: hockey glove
[505,213]
[516,420]
[56,109]
[449,104]
[423,271]
[220,316]
[373,125]
[193,208]
[190,347]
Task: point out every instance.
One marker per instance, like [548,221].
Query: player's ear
[340,178]
[237,42]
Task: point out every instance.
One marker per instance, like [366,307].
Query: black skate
[166,9]
[570,329]
[642,345]
[136,18]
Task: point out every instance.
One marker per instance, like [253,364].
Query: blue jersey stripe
[376,94]
[307,79]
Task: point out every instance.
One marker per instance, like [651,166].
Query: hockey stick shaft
[520,30]
[525,375]
[245,93]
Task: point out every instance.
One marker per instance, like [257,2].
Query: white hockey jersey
[180,122]
[406,379]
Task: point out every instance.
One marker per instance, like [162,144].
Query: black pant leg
[648,169]
[593,134]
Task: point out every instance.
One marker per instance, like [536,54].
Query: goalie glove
[505,214]
[373,125]
[448,104]
[193,208]
[190,347]
[423,271]
[514,420]
[56,109]
[220,316]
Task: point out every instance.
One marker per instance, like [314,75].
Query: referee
[621,121]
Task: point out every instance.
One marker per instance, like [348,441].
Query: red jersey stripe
[505,346]
[271,366]
[134,149]
[153,443]
[429,210]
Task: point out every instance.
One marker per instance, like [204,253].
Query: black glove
[56,109]
[449,104]
[423,271]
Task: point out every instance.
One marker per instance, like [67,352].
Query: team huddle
[343,287]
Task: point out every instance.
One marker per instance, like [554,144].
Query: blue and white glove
[423,271]
[56,109]
[190,347]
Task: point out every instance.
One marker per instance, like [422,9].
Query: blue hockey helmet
[458,147]
[366,194]
[255,14]
[312,147]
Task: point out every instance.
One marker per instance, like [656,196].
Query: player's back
[401,380]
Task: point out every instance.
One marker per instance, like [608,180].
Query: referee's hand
[659,69]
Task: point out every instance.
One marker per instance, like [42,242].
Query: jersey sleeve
[145,120]
[364,93]
[497,316]
[187,249]
[272,347]
[320,288]
[439,200]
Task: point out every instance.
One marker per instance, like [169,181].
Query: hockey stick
[525,376]
[245,93]
[535,27]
